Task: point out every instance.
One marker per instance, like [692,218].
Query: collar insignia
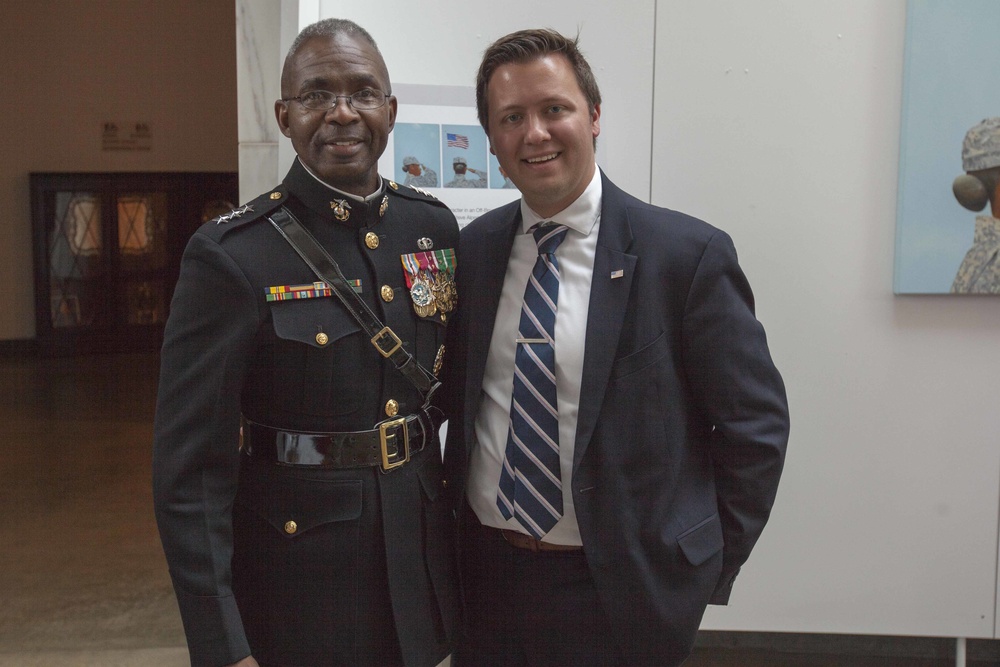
[341,209]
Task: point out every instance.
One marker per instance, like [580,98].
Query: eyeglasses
[321,100]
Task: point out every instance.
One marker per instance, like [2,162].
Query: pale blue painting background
[422,141]
[951,82]
[496,178]
[475,155]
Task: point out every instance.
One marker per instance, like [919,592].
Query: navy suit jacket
[683,419]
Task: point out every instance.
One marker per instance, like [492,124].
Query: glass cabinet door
[107,253]
[75,256]
[141,223]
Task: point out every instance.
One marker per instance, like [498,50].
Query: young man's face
[542,131]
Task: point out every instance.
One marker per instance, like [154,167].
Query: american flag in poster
[457,140]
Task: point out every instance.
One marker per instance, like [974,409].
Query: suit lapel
[614,270]
[486,286]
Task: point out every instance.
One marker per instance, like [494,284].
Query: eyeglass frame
[336,98]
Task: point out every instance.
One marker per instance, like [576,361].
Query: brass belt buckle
[398,455]
[377,340]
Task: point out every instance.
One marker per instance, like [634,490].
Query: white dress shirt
[576,266]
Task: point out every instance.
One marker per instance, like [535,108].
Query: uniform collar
[322,198]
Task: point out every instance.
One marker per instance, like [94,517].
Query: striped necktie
[530,482]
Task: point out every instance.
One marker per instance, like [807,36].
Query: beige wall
[66,66]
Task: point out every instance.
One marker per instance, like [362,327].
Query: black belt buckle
[378,339]
[394,455]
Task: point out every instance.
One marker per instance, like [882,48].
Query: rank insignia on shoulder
[430,277]
[311,291]
[235,213]
[422,191]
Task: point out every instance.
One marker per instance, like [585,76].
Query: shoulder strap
[382,337]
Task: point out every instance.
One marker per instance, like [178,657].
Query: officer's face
[542,131]
[340,145]
[414,169]
[459,168]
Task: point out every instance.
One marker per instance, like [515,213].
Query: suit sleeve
[212,323]
[737,387]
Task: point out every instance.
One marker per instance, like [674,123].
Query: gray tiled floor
[144,657]
[82,578]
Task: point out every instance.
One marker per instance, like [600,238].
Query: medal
[423,298]
[430,276]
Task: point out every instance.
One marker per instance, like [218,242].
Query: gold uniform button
[444,483]
[291,527]
[387,293]
[275,195]
[371,240]
[392,184]
[322,338]
[391,407]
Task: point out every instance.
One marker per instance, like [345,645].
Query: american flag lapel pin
[617,273]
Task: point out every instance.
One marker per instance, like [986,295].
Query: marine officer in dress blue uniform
[297,474]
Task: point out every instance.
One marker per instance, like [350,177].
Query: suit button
[444,483]
[371,240]
[322,338]
[391,407]
[291,527]
[387,293]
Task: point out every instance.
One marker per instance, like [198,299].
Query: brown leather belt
[388,446]
[522,541]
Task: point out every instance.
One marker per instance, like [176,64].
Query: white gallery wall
[439,42]
[777,121]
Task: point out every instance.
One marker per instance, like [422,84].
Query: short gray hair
[328,28]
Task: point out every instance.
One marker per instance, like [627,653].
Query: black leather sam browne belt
[388,446]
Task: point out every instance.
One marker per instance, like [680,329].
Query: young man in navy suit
[656,420]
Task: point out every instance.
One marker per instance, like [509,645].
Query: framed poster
[950,135]
[439,146]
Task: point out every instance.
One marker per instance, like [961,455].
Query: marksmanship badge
[438,361]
